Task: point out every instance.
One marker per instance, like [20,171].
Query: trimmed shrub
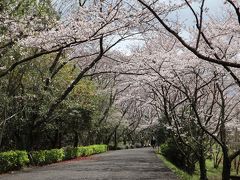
[54,155]
[95,149]
[69,152]
[37,157]
[22,158]
[73,152]
[88,150]
[84,151]
[13,160]
[79,151]
[46,156]
[99,148]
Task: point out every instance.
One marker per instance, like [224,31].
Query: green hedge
[88,150]
[54,155]
[13,160]
[98,148]
[69,152]
[73,152]
[46,156]
[37,157]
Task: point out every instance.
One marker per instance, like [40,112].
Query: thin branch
[236,9]
[185,44]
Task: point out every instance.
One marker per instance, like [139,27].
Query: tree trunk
[2,131]
[238,166]
[30,140]
[226,166]
[115,140]
[190,164]
[55,139]
[76,139]
[202,165]
[3,124]
[60,140]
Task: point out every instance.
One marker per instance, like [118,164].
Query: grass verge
[213,174]
[180,173]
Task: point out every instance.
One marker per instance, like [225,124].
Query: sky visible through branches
[184,15]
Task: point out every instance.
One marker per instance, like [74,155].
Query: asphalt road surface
[132,164]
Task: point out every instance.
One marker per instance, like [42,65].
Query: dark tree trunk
[56,139]
[30,140]
[60,140]
[226,166]
[202,165]
[76,139]
[190,165]
[238,166]
[108,139]
[19,140]
[124,141]
[115,140]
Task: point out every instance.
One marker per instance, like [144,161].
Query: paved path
[132,164]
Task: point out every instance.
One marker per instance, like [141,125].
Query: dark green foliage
[79,151]
[99,148]
[13,160]
[174,155]
[73,152]
[94,149]
[70,153]
[111,147]
[87,151]
[54,155]
[161,135]
[46,156]
[37,157]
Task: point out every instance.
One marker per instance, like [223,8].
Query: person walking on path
[153,142]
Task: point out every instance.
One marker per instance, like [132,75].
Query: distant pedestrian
[153,142]
[142,143]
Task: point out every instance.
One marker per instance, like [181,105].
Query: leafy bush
[69,153]
[79,151]
[88,150]
[98,148]
[170,151]
[54,155]
[46,156]
[37,157]
[22,158]
[13,160]
[73,152]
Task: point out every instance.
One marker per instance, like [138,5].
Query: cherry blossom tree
[189,84]
[215,40]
